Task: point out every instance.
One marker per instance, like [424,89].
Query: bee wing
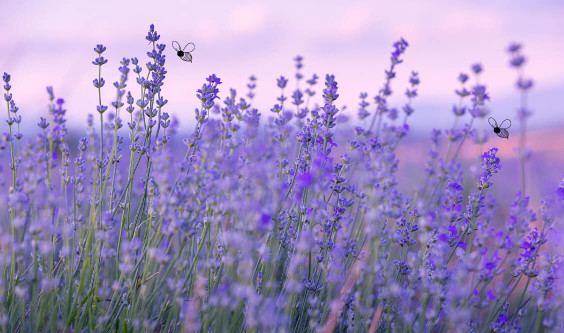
[503,133]
[503,122]
[187,57]
[494,125]
[174,47]
[193,47]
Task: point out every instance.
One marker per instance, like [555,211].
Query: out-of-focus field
[544,170]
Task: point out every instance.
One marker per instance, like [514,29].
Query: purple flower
[297,97]
[478,111]
[271,226]
[363,112]
[414,78]
[101,108]
[462,92]
[532,243]
[152,35]
[560,192]
[99,84]
[298,59]
[462,77]
[479,95]
[213,79]
[402,267]
[276,108]
[99,49]
[524,84]
[281,82]
[251,85]
[330,92]
[477,68]
[99,61]
[313,80]
[399,48]
[43,124]
[514,47]
[490,163]
[458,111]
[305,179]
[208,93]
[488,265]
[517,61]
[403,234]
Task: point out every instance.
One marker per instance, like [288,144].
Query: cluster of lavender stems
[289,221]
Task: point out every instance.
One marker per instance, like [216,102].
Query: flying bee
[181,53]
[500,130]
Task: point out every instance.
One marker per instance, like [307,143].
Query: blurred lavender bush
[295,225]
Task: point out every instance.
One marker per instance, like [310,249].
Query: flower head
[330,91]
[152,35]
[99,49]
[477,68]
[281,82]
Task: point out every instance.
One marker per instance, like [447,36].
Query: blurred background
[51,43]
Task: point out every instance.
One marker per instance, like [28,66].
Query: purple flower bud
[99,61]
[560,192]
[414,78]
[330,92]
[101,108]
[14,108]
[478,112]
[514,47]
[463,78]
[479,95]
[462,93]
[524,84]
[212,79]
[402,267]
[99,84]
[517,61]
[297,97]
[281,82]
[477,68]
[298,59]
[99,49]
[83,144]
[152,35]
[313,80]
[43,124]
[276,109]
[161,102]
[458,111]
[117,105]
[142,103]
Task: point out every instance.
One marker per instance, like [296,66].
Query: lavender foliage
[261,224]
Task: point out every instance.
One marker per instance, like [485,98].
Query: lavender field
[306,216]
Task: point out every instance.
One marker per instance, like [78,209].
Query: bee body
[500,130]
[182,53]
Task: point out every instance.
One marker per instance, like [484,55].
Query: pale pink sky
[51,42]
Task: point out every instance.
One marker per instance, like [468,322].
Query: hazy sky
[51,43]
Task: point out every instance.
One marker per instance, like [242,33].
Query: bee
[500,130]
[181,53]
